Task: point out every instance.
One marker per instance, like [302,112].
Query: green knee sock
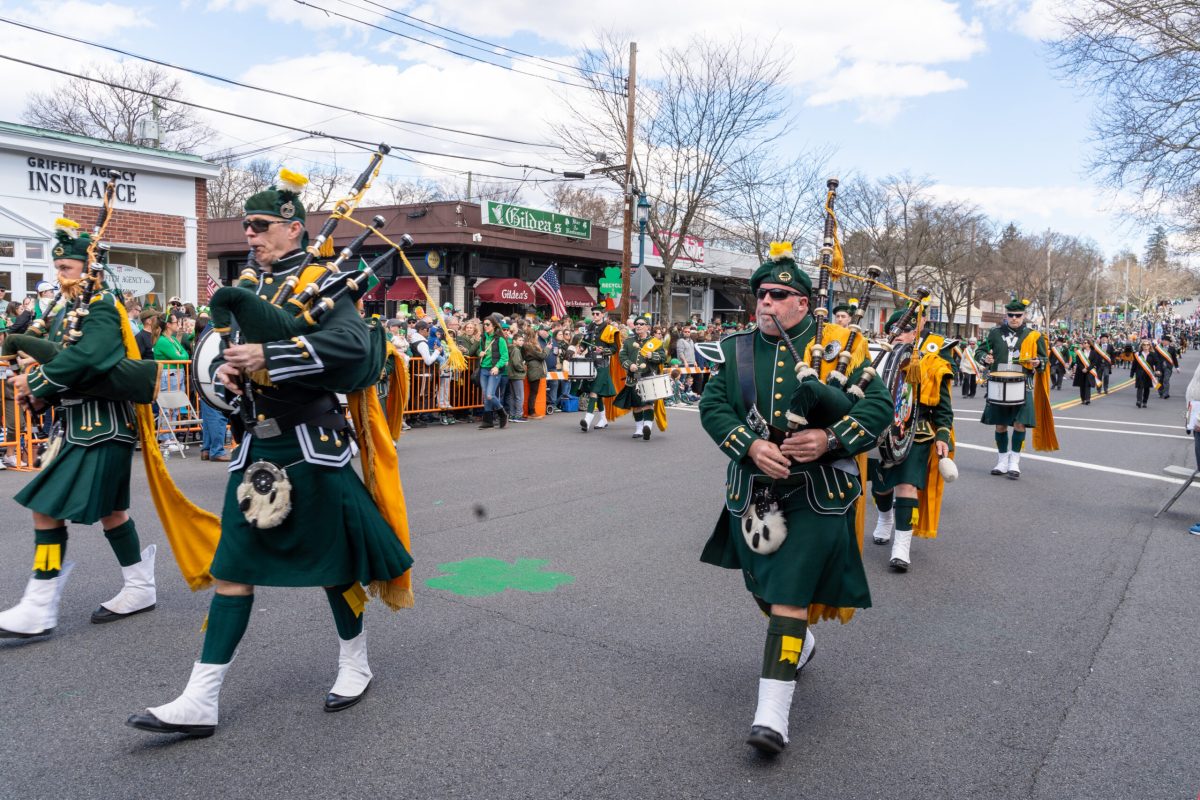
[49,552]
[346,602]
[1002,442]
[785,638]
[1018,441]
[591,404]
[905,506]
[124,542]
[228,616]
[883,502]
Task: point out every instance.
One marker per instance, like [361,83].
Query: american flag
[548,285]
[212,285]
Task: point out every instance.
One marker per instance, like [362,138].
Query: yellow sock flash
[356,598]
[790,649]
[47,557]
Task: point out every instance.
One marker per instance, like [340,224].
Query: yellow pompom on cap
[291,181]
[780,250]
[66,225]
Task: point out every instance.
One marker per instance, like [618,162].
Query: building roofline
[26,137]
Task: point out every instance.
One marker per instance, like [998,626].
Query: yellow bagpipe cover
[833,332]
[1044,438]
[611,335]
[381,475]
[192,531]
[397,399]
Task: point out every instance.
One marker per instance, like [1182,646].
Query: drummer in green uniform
[815,571]
[934,425]
[88,480]
[1004,345]
[601,340]
[639,361]
[329,532]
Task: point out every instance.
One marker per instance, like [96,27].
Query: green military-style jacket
[1004,345]
[725,417]
[631,355]
[341,355]
[87,420]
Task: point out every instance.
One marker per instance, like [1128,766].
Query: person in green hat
[601,339]
[640,360]
[843,313]
[296,512]
[87,480]
[896,487]
[1002,346]
[802,563]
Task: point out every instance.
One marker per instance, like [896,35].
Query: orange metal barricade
[430,389]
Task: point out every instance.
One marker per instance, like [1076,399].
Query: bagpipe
[132,379]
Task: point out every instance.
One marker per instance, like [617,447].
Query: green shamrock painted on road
[480,577]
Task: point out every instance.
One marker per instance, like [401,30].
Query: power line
[451,51]
[239,84]
[280,125]
[490,46]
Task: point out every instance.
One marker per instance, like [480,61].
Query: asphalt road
[1041,647]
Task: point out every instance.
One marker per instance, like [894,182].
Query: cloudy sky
[960,92]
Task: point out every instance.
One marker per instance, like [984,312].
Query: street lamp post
[643,216]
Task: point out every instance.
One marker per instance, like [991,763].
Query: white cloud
[1036,19]
[878,88]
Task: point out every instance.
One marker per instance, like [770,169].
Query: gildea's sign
[531,219]
[73,179]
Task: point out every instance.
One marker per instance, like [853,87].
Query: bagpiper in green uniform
[331,534]
[1003,346]
[934,424]
[817,570]
[88,479]
[639,361]
[601,339]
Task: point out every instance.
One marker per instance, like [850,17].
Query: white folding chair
[177,401]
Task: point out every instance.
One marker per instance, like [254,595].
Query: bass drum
[207,350]
[897,440]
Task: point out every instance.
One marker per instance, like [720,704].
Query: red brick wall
[133,227]
[202,236]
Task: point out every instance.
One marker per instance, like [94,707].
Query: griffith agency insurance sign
[531,219]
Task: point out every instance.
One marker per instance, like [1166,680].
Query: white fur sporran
[948,469]
[763,525]
[265,495]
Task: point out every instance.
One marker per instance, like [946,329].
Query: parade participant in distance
[817,571]
[1084,372]
[934,421]
[1106,356]
[968,368]
[641,357]
[1168,362]
[1016,343]
[1059,362]
[601,340]
[844,313]
[87,481]
[317,524]
[1146,371]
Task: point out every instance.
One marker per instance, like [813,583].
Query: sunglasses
[1014,316]
[776,294]
[261,225]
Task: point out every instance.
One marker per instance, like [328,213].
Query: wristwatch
[831,441]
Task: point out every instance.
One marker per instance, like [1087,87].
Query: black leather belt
[319,413]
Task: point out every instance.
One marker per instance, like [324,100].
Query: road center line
[1080,464]
[1057,417]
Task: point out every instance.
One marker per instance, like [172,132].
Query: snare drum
[207,350]
[1006,385]
[581,369]
[654,387]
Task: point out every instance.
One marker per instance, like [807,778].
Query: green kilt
[82,484]
[334,534]
[628,397]
[914,469]
[1025,413]
[819,562]
[602,385]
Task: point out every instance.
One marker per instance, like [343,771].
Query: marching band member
[843,313]
[934,422]
[295,513]
[1084,372]
[1017,343]
[1168,360]
[601,339]
[88,479]
[641,359]
[817,571]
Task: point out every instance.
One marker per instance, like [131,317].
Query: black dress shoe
[766,741]
[646,433]
[337,702]
[583,426]
[899,565]
[148,722]
[102,614]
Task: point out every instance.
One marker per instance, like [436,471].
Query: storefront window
[163,267]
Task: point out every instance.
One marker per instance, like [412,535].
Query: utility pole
[627,225]
[468,186]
